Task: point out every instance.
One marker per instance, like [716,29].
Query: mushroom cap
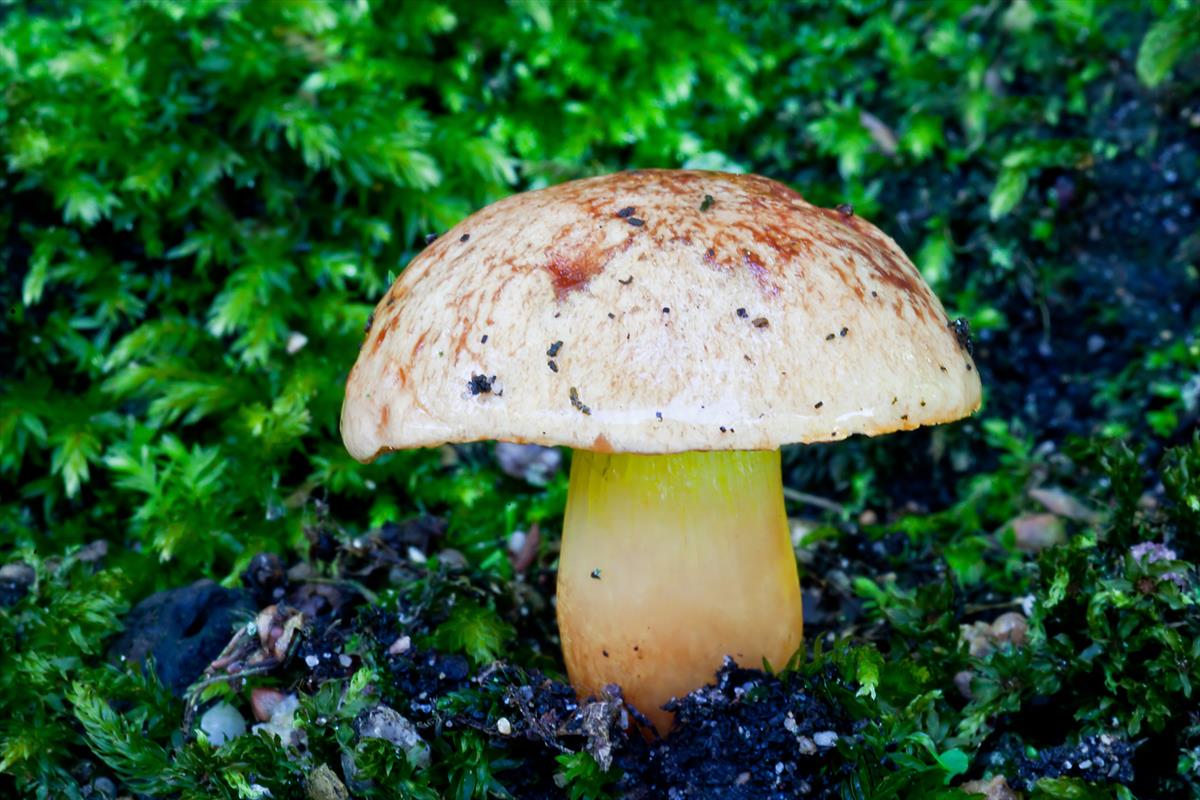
[656,311]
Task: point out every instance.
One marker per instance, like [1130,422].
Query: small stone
[104,787]
[312,661]
[92,552]
[1059,502]
[324,784]
[296,342]
[1011,628]
[978,636]
[15,580]
[1036,532]
[221,723]
[264,701]
[825,738]
[504,726]
[384,722]
[962,682]
[282,722]
[805,745]
[400,646]
[995,789]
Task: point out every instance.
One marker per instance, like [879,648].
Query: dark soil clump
[748,735]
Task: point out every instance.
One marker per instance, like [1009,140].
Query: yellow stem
[669,563]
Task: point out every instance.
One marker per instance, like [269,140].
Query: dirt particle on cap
[874,293]
[843,331]
[553,367]
[830,337]
[904,417]
[635,222]
[942,367]
[466,237]
[370,322]
[579,405]
[962,332]
[741,312]
[761,322]
[895,400]
[625,281]
[845,209]
[626,212]
[596,574]
[611,315]
[819,404]
[483,339]
[605,653]
[723,429]
[969,368]
[708,202]
[658,415]
[554,348]
[480,384]
[922,404]
[430,238]
[666,309]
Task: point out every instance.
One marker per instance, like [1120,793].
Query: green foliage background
[200,202]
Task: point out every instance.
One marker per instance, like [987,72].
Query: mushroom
[675,328]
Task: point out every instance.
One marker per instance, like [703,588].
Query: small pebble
[504,726]
[221,723]
[825,738]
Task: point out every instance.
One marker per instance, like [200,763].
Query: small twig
[991,606]
[370,596]
[797,496]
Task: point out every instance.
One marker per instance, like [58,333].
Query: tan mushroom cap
[630,313]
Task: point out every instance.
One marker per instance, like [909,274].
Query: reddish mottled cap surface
[656,311]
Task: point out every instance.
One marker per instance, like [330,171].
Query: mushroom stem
[669,563]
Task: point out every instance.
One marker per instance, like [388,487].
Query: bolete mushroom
[675,328]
